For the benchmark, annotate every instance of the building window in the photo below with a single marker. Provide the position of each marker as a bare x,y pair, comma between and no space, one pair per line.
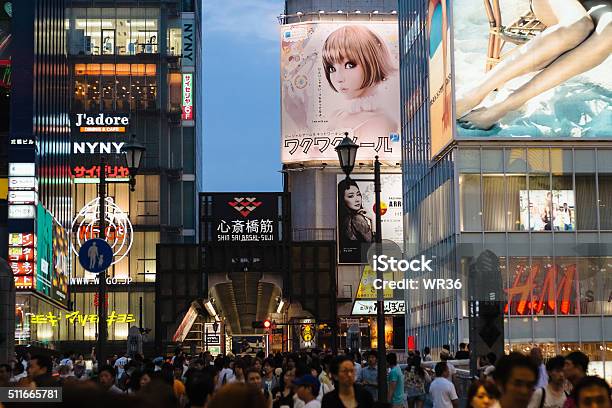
115,87
110,31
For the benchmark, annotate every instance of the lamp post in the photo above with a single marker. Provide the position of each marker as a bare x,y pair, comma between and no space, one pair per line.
133,153
347,153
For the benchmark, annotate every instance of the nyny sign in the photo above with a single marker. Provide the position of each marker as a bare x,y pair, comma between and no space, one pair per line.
188,24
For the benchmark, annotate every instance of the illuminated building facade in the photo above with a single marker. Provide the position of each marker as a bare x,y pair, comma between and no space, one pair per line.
134,69
487,202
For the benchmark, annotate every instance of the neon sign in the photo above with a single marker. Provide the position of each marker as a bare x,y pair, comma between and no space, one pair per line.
119,231
187,103
535,298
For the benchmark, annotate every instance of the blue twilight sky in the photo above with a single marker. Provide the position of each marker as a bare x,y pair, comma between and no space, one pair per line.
241,95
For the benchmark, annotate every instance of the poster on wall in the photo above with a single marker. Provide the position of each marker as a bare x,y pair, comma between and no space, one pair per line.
44,250
356,218
550,85
61,264
440,83
543,210
339,77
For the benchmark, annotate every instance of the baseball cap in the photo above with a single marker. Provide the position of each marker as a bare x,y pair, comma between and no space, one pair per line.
308,380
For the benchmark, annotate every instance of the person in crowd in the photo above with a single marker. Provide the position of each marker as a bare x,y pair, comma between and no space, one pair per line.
442,390
40,371
6,373
253,377
19,372
199,388
427,354
269,379
239,368
593,392
368,376
325,378
238,395
346,393
482,394
396,382
67,360
284,393
307,390
226,374
575,369
106,378
463,353
553,394
538,357
415,381
516,376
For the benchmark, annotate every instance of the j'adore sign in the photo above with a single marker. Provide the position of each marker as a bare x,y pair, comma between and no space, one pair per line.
101,123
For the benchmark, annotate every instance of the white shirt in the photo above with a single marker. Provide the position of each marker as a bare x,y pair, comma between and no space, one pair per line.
543,378
553,399
442,393
313,404
357,369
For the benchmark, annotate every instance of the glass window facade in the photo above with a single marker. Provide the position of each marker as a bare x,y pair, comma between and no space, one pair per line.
113,31
543,211
115,87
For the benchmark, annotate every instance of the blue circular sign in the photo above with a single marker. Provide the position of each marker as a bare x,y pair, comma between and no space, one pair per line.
95,255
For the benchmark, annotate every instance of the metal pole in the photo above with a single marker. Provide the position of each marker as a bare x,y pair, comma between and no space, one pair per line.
140,312
102,325
380,300
206,336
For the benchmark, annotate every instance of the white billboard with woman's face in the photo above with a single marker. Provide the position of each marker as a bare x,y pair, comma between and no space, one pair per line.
357,218
337,78
533,69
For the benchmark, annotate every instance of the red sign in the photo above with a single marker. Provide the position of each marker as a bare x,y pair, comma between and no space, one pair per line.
94,172
22,268
411,343
24,282
21,254
187,103
21,240
535,297
112,232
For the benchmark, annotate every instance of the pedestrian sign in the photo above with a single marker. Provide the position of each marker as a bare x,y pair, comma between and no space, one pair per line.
95,255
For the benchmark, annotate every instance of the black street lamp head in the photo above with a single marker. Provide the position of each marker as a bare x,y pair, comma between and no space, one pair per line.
133,152
347,152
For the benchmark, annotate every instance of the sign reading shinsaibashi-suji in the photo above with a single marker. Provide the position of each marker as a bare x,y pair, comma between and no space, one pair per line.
245,217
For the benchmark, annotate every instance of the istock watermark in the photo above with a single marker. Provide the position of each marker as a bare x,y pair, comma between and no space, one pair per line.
385,263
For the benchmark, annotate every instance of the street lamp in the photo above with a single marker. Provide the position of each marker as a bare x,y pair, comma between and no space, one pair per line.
133,153
347,153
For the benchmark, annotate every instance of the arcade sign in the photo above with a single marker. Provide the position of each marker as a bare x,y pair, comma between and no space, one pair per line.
119,231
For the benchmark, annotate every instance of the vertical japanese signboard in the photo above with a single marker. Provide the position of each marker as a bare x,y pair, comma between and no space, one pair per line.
187,98
245,217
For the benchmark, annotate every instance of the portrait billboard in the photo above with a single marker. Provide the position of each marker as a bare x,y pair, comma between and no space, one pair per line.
61,264
339,77
520,73
440,77
356,219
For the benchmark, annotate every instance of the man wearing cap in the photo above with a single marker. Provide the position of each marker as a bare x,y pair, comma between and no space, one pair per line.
307,390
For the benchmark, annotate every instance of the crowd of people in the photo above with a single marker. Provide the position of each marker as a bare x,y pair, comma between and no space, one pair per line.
313,379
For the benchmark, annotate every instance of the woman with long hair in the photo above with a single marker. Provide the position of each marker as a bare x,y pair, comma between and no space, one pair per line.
482,394
415,382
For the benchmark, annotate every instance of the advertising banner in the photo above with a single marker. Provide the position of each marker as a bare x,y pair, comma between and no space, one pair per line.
187,97
245,217
440,84
61,264
339,77
44,250
554,83
356,216
543,210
